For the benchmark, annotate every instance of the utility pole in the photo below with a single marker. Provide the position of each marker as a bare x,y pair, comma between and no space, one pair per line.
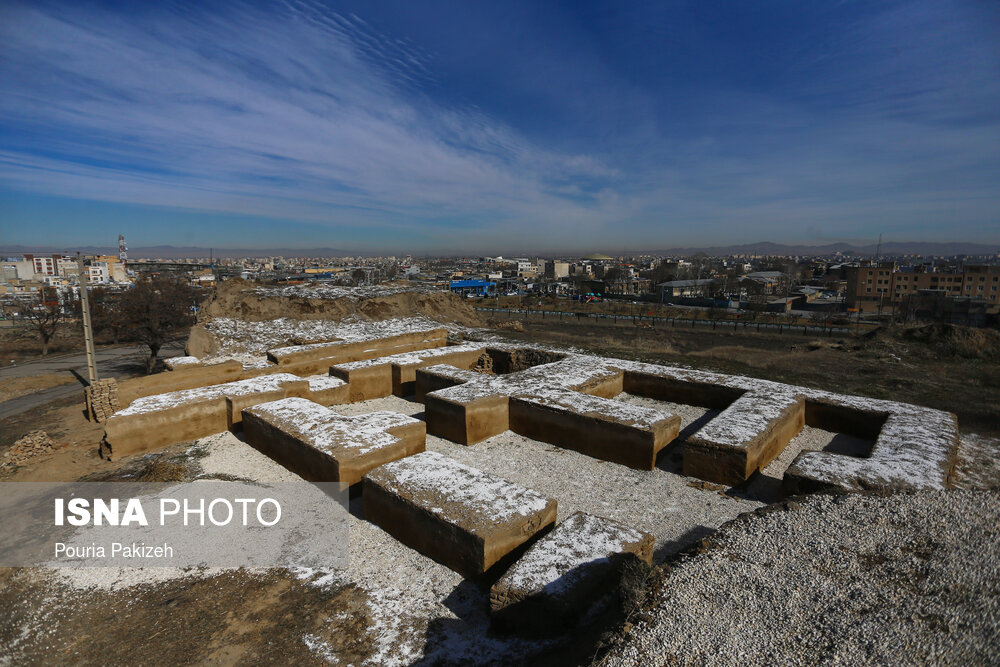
88,330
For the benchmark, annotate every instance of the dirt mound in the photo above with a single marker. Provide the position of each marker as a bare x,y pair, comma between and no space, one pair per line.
938,340
248,301
954,340
510,325
927,561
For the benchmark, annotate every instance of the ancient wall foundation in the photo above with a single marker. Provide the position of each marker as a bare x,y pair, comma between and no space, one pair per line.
475,391
489,528
322,446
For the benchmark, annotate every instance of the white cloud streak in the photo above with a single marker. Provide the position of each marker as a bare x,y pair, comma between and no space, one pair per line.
302,115
305,115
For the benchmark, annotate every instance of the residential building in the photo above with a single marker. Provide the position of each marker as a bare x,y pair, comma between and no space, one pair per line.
685,288
881,287
764,282
44,265
555,270
23,269
98,273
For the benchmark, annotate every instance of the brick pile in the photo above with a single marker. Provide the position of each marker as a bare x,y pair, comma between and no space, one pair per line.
31,445
102,399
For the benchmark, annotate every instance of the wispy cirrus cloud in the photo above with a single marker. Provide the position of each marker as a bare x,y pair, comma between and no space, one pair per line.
872,119
302,113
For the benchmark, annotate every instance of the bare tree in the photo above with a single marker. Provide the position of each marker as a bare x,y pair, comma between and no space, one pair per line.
614,273
105,312
156,310
908,308
45,314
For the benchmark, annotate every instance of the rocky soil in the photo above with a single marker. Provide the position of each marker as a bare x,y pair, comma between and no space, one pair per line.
264,317
31,445
249,301
903,579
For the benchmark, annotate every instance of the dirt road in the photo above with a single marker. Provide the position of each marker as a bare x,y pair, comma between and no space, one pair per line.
119,361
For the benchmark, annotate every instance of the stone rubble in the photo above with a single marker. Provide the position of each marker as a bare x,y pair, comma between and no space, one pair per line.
31,445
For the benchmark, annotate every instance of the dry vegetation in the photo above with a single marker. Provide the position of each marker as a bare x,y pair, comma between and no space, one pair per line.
242,618
21,343
941,366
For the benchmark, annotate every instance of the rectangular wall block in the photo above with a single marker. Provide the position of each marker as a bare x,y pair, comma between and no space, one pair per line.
184,377
156,421
609,430
566,402
396,374
459,516
744,437
440,376
916,448
322,446
562,575
317,357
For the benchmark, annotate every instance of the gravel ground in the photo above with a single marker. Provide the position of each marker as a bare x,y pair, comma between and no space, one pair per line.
904,579
978,465
421,610
424,610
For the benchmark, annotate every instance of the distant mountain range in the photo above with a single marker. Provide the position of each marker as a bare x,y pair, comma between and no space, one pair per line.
889,248
177,252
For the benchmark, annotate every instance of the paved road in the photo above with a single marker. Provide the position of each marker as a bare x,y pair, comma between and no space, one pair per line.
16,406
111,362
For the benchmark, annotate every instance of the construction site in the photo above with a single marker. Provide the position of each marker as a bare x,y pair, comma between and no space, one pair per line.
540,493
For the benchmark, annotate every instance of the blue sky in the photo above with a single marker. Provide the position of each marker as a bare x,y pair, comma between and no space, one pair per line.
437,127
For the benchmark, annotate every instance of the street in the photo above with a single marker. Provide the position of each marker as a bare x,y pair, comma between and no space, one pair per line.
114,362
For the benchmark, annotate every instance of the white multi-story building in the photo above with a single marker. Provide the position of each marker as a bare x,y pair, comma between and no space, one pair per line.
67,266
525,267
45,266
20,270
98,273
556,270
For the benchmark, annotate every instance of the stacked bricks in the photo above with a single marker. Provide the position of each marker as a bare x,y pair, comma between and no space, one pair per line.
102,399
31,445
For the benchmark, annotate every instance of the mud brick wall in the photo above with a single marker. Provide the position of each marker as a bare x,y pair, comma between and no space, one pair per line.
102,399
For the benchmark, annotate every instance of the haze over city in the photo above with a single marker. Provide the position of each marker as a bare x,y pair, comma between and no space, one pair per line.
425,127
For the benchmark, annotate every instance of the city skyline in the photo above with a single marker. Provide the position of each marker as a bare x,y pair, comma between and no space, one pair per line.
423,128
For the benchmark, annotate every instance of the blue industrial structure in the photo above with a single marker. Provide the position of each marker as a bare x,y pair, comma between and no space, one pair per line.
478,287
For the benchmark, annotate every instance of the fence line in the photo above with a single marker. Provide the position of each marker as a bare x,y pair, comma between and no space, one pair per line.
653,320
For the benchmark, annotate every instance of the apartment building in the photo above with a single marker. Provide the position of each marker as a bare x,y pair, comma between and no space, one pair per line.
556,270
881,287
44,265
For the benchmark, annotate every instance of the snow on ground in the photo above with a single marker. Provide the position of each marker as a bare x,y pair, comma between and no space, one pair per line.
249,341
313,291
420,608
407,593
